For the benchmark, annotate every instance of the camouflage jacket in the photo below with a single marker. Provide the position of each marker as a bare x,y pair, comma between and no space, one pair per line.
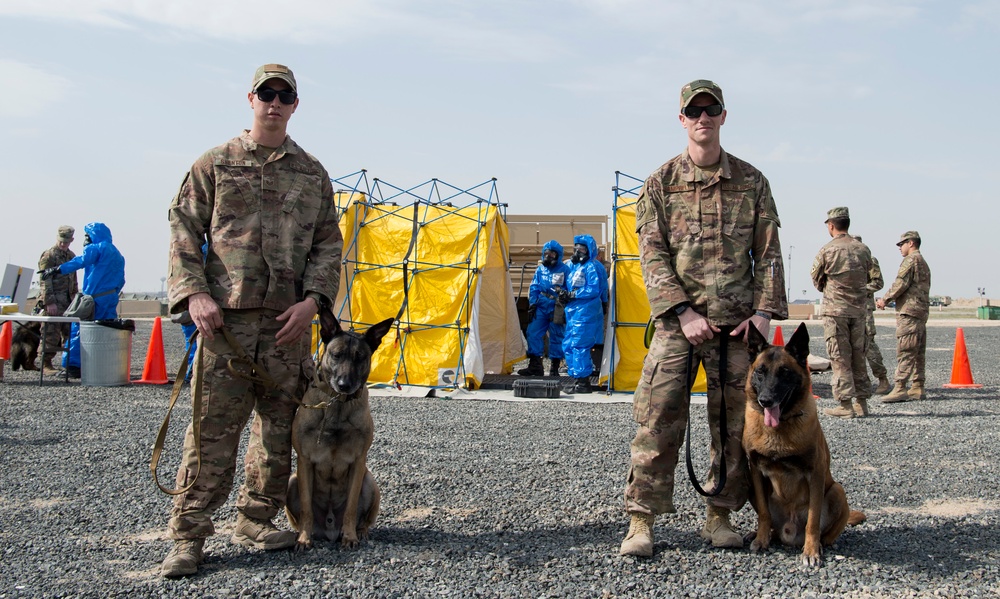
58,289
711,241
912,287
875,283
842,271
271,227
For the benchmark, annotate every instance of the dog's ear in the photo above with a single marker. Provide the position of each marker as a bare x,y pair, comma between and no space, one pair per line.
798,346
329,325
373,336
756,342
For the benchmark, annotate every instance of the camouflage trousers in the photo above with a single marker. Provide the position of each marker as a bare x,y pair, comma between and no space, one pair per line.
846,341
873,354
911,347
661,407
56,334
227,404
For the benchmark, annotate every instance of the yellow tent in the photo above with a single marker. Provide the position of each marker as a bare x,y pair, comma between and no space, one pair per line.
629,310
442,271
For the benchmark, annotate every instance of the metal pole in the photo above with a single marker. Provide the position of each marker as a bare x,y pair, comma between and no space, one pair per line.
788,274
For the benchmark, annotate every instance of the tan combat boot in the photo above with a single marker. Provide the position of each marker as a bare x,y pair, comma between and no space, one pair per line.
261,534
897,394
47,368
183,559
861,408
917,391
639,540
844,410
718,530
883,385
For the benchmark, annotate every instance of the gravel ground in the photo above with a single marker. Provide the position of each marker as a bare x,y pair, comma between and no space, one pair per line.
501,499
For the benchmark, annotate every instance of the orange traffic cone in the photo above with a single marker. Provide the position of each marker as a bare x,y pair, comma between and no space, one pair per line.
154,372
6,337
779,339
961,370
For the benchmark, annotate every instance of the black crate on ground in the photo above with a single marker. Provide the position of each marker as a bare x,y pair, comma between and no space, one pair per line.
536,388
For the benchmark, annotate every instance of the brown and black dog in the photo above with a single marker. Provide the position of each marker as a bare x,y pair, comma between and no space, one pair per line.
796,499
24,345
333,495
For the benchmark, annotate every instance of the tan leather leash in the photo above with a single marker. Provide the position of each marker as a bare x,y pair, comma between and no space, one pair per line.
195,417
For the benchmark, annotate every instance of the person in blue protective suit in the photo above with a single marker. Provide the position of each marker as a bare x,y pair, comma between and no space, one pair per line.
584,313
550,278
103,278
188,329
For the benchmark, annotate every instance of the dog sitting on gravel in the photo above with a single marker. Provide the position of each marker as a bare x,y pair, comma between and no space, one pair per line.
24,345
333,495
796,499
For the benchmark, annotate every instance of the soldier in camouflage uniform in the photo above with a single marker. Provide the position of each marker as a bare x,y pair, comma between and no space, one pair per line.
912,292
266,209
842,271
874,354
711,262
57,292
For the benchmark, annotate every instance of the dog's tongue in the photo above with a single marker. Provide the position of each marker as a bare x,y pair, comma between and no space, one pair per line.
772,415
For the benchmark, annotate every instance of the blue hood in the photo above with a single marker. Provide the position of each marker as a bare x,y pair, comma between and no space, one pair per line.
587,240
98,232
554,246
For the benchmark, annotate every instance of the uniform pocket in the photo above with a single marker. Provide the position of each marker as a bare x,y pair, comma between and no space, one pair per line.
643,391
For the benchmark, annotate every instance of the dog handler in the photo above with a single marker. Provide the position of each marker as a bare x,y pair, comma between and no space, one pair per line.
56,293
266,209
711,261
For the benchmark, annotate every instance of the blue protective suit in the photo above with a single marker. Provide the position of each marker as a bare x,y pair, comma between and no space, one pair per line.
541,294
103,270
584,315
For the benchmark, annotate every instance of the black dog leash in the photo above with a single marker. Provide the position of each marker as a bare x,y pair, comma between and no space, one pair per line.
723,430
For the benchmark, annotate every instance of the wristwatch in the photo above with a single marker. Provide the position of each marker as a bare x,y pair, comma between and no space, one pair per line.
763,314
681,307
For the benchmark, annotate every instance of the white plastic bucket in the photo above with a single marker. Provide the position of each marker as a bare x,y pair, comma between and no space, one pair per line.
105,355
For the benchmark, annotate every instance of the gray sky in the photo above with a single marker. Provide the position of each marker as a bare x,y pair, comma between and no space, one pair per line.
884,106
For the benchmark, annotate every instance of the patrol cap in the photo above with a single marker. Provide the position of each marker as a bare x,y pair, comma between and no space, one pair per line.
273,71
908,236
66,233
838,212
700,86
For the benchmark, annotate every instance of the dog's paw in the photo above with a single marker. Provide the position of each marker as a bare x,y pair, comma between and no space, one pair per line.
303,543
760,545
810,560
349,541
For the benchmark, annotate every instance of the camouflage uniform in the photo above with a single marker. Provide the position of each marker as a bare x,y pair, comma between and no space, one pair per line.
57,290
842,271
911,290
874,355
710,240
273,238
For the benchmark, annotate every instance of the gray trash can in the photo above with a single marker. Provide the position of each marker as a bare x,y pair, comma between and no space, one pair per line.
105,355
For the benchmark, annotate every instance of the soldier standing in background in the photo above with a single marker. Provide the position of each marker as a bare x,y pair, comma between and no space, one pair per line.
842,271
912,293
711,262
265,207
57,292
874,354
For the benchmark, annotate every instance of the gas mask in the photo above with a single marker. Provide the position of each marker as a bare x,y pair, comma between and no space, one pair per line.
580,253
549,258
86,239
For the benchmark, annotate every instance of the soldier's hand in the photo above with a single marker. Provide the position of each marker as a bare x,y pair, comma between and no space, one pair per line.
696,327
52,310
880,304
205,314
297,320
743,330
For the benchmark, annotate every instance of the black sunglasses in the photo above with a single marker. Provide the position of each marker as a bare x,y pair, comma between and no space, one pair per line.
693,112
266,94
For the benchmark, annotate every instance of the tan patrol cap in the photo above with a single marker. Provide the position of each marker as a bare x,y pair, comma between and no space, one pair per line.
838,212
908,236
273,71
700,86
66,233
